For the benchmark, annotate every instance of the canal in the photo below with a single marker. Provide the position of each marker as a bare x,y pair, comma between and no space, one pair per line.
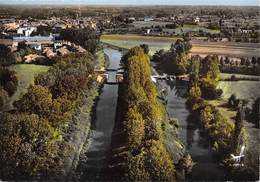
100,136
206,166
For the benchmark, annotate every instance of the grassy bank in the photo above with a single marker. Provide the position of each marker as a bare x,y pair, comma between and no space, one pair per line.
25,74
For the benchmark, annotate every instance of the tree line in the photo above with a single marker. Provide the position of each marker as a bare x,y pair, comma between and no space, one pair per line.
143,117
32,136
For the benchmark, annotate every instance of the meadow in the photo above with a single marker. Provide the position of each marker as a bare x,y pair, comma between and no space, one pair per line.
25,74
199,47
248,90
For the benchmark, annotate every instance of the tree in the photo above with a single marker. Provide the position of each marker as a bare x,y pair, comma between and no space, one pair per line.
86,38
247,63
145,47
28,145
210,75
232,101
147,157
258,60
38,100
255,114
237,137
227,60
8,80
243,61
135,168
159,163
253,61
136,129
6,56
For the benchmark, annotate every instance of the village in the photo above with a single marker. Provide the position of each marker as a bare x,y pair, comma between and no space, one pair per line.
129,93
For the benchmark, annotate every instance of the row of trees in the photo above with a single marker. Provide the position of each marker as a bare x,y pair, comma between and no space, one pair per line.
241,66
143,116
204,78
32,143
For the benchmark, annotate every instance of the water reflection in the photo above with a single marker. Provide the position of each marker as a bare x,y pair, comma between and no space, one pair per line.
102,127
192,134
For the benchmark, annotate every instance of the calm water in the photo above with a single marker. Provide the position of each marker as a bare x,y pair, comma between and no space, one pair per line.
196,142
100,136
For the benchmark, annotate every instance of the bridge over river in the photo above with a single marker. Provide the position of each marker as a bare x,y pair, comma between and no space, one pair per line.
99,140
110,76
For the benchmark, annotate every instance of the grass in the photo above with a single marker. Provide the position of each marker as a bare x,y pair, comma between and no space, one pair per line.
221,105
127,41
202,48
188,28
25,74
248,90
101,63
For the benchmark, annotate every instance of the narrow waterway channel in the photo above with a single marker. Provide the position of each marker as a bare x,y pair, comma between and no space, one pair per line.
206,167
196,141
100,136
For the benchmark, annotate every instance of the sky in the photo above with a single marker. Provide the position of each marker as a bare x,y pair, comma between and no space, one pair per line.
138,2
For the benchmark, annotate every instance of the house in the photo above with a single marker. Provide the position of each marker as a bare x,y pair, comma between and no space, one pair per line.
35,46
27,31
196,20
62,51
146,19
57,44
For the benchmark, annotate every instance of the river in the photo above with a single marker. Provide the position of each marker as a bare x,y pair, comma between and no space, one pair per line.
206,167
191,134
100,136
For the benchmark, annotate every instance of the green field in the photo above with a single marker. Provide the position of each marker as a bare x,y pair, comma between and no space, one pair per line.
198,47
25,74
129,41
188,28
249,90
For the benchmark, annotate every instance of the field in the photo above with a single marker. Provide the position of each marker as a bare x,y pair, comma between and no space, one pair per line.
249,90
179,30
199,47
25,74
129,40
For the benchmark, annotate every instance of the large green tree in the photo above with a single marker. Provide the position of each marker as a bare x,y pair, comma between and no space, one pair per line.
28,146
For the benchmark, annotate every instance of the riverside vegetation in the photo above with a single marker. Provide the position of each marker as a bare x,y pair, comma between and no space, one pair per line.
33,141
142,117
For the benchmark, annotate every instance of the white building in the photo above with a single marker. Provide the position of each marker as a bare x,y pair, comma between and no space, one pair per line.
27,31
35,46
58,44
197,20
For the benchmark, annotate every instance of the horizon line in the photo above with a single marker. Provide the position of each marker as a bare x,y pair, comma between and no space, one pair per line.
123,4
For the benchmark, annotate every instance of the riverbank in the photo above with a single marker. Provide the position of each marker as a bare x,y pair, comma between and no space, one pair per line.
173,129
80,124
93,156
126,134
